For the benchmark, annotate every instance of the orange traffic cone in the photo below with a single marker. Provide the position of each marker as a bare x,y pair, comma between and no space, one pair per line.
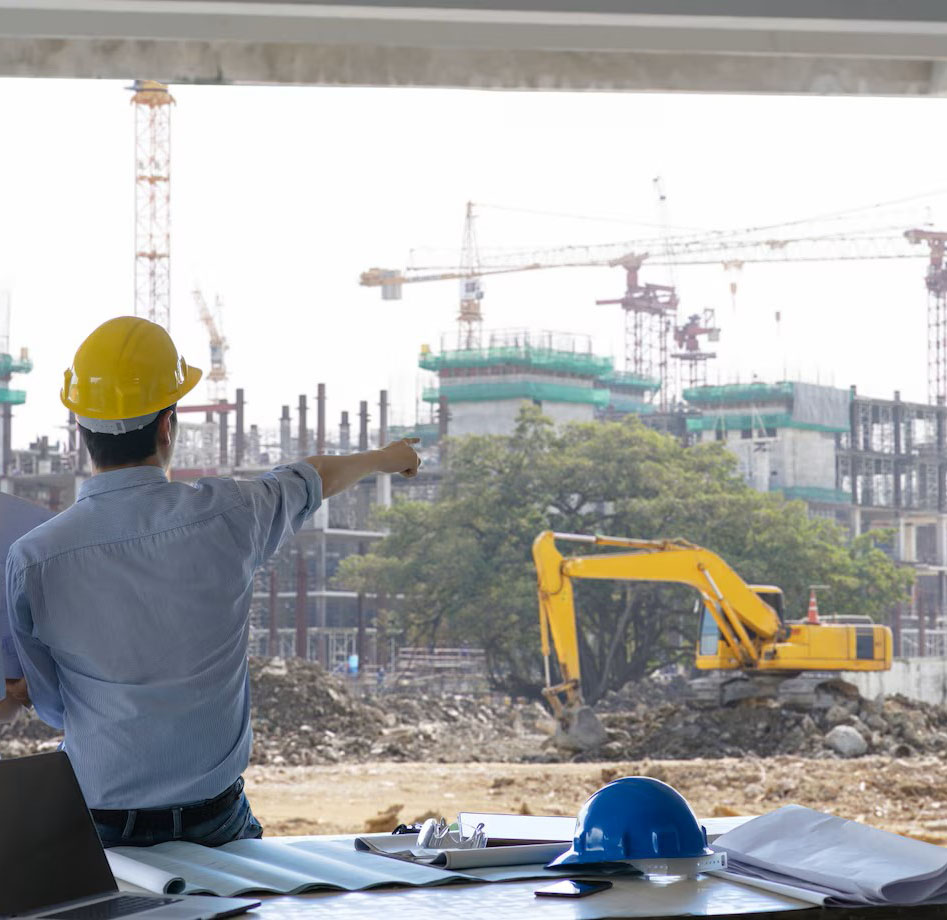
813,613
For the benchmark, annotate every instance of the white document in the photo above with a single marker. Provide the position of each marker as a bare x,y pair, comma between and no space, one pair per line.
267,866
142,875
522,828
404,846
845,862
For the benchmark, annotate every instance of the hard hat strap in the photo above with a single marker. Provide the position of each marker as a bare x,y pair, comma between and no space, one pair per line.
117,425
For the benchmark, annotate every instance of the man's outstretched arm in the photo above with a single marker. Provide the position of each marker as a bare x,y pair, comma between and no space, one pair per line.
339,472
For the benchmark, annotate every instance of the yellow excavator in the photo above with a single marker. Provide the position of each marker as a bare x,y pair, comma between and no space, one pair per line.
744,636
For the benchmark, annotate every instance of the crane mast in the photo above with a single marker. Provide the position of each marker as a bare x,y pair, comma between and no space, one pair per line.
217,375
152,103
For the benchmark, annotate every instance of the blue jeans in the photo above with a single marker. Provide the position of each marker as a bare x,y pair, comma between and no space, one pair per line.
234,823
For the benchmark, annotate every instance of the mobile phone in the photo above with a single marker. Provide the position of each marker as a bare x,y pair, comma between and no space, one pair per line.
570,889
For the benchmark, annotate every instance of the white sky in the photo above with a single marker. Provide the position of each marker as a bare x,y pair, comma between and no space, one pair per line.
282,196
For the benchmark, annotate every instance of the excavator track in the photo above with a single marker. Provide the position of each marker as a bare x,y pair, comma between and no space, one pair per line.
800,690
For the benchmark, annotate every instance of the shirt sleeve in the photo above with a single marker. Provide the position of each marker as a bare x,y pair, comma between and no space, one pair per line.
9,663
279,502
42,679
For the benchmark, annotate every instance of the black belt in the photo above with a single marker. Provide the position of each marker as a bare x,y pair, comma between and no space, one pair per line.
151,819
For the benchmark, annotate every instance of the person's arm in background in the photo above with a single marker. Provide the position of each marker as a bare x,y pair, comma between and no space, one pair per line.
339,472
13,693
38,665
16,698
8,706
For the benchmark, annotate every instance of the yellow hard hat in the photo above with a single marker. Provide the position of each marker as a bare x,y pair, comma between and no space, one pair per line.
124,374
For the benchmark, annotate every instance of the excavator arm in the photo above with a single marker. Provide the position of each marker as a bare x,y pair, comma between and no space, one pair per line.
745,621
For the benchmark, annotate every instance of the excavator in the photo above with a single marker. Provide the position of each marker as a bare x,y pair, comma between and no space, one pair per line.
744,636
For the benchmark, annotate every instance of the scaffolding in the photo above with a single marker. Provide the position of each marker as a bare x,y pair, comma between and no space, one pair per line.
9,397
650,312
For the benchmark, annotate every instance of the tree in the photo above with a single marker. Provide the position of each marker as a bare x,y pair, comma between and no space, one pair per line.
463,565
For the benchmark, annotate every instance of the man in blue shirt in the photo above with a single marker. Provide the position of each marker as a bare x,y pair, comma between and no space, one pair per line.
17,517
130,610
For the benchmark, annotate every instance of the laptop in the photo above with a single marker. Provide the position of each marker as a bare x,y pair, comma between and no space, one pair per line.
52,863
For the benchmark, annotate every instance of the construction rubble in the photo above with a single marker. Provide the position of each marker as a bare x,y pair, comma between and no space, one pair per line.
304,716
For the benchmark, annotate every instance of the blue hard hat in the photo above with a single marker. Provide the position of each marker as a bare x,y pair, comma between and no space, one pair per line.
635,818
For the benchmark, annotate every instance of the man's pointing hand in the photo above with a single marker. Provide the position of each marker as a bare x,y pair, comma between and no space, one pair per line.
400,457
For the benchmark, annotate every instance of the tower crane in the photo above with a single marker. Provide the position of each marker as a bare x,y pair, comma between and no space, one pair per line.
731,250
217,376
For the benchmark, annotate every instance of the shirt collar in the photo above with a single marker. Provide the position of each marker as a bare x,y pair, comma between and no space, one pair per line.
127,478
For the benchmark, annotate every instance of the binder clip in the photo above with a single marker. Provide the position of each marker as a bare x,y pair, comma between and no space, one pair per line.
437,834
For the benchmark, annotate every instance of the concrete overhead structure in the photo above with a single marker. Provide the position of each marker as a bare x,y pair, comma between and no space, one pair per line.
747,46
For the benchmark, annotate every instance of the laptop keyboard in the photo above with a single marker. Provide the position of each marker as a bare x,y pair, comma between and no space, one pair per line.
116,907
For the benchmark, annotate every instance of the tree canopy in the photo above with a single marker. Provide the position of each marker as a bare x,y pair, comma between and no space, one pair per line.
463,569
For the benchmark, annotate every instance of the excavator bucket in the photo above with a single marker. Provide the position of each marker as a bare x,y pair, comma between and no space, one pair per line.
580,730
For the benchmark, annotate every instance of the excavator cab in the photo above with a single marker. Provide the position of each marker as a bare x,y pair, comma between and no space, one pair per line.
713,653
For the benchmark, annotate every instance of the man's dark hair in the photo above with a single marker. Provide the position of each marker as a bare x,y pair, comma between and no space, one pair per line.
121,449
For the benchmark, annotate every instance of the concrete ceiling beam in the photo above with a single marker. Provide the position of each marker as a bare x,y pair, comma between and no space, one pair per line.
440,44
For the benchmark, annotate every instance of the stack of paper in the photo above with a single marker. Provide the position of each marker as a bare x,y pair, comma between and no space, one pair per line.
829,860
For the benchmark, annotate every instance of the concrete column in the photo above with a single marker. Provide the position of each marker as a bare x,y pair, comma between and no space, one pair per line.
907,549
224,436
6,434
940,531
363,425
345,434
302,441
253,445
285,437
321,419
238,435
382,418
383,480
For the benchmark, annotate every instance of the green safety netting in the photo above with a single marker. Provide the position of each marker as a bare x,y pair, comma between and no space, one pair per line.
739,421
12,397
517,389
566,362
739,393
11,365
631,381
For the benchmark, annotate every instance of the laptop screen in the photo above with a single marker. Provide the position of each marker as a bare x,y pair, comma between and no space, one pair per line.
49,849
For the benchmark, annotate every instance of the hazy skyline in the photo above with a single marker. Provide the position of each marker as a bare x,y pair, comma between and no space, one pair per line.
281,196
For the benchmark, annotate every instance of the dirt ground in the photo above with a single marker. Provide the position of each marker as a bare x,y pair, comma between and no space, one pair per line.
908,796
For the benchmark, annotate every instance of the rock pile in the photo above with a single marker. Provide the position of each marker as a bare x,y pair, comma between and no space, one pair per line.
849,727
302,715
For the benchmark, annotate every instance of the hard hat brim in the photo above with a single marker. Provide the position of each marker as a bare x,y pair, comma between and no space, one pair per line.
191,380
